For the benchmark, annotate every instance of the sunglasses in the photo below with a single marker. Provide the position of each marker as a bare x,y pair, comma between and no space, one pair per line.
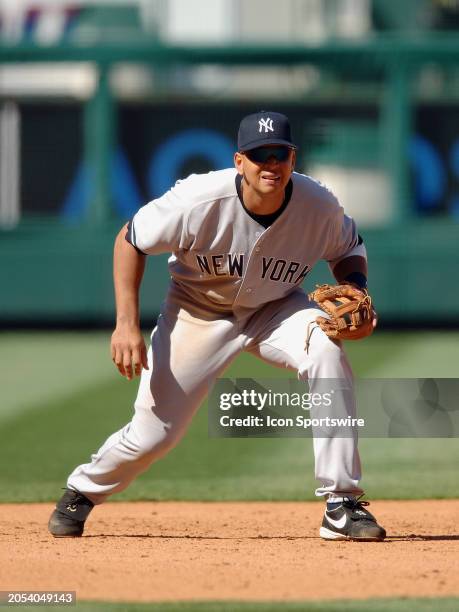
260,155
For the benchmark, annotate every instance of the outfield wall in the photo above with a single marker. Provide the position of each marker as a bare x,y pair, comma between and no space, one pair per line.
53,276
86,166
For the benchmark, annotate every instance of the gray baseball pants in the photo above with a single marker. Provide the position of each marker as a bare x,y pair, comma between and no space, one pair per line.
188,352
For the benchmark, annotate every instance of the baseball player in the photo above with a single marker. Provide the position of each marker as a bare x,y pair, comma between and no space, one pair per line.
242,240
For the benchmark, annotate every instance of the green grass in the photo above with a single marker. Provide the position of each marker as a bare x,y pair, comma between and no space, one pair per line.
63,422
371,605
36,367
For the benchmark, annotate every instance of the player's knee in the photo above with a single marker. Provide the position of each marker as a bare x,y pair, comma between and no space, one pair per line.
147,448
324,355
326,350
155,449
152,443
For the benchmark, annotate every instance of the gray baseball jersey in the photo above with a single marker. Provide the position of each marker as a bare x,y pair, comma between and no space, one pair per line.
223,259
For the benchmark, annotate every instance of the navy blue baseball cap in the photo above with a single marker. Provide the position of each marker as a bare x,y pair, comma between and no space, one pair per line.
264,128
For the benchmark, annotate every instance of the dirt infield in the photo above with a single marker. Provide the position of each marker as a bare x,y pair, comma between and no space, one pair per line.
167,551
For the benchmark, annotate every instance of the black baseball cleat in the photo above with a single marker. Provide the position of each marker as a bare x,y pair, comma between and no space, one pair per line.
72,510
350,521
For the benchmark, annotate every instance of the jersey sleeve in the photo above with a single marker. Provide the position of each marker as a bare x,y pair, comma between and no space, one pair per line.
160,225
344,240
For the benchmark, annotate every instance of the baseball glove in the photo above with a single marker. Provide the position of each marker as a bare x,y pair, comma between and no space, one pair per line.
350,310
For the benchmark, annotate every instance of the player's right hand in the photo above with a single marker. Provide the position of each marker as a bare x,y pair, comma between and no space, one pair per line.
128,350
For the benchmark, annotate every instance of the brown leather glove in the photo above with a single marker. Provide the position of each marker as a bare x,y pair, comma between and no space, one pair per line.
350,310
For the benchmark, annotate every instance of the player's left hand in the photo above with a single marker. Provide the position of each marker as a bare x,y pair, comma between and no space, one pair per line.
350,311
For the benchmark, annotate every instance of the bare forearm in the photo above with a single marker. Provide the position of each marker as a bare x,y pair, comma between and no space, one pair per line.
128,269
127,346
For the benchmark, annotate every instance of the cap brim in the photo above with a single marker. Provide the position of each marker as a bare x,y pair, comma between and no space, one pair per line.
271,141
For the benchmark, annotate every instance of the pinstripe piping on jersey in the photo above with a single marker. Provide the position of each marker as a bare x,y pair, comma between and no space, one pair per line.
130,237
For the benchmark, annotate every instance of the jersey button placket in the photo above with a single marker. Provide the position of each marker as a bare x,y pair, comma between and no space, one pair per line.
257,250
248,291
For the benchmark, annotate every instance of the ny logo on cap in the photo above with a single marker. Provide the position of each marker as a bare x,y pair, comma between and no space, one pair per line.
267,124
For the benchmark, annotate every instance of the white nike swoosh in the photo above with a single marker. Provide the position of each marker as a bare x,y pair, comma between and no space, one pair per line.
339,524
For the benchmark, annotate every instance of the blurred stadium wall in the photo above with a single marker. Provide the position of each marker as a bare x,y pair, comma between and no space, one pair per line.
104,104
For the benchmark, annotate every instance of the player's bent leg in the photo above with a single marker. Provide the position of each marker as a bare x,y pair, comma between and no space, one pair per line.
337,463
187,354
280,337
337,460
